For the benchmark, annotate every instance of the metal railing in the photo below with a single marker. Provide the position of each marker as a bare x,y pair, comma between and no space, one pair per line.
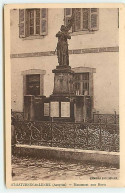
89,136
97,118
106,118
17,115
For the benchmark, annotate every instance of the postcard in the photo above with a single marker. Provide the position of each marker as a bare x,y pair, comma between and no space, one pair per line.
64,95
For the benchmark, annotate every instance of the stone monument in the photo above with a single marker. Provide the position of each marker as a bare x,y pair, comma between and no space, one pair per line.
64,104
63,79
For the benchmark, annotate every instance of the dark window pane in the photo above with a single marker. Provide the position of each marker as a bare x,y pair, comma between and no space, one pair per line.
83,92
33,78
33,84
37,21
77,86
86,86
37,29
31,22
67,20
85,76
31,13
44,26
38,13
31,30
83,86
68,11
93,10
77,76
94,20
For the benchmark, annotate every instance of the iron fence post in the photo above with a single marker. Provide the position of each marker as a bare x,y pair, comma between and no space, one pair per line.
29,126
75,135
30,136
93,118
100,135
115,117
87,139
51,131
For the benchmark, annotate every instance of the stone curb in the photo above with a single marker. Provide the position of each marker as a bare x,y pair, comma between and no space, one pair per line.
111,158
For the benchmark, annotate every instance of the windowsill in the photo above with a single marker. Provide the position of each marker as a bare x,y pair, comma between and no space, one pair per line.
81,33
34,37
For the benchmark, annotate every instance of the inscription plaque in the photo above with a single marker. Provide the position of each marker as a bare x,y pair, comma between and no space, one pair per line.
46,109
54,109
65,109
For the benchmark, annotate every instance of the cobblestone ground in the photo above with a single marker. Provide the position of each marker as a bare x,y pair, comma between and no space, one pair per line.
43,169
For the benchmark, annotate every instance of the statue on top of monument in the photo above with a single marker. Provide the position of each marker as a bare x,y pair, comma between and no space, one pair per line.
62,45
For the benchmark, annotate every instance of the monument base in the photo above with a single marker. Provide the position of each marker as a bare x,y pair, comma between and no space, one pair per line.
62,108
63,81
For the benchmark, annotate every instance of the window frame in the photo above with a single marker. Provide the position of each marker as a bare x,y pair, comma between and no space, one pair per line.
81,21
30,82
82,70
88,30
80,82
24,23
33,72
34,11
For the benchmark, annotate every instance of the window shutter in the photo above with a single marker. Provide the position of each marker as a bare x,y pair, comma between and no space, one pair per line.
94,21
27,29
67,16
78,19
85,16
22,29
43,21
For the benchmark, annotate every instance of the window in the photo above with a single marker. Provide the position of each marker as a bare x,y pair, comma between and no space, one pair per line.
32,22
33,84
77,77
83,80
82,83
85,84
85,19
77,88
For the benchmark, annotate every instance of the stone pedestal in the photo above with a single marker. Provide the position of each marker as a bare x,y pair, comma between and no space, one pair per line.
63,81
61,102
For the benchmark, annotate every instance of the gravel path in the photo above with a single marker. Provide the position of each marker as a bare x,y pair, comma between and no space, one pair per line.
43,169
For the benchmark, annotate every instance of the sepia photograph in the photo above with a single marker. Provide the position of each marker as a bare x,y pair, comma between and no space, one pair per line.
64,102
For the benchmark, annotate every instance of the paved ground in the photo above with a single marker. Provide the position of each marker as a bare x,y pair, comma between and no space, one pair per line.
42,169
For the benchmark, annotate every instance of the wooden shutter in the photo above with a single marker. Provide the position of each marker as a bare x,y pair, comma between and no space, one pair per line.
94,21
43,21
67,16
78,13
85,20
22,29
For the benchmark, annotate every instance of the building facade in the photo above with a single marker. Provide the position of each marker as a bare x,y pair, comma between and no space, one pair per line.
93,54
